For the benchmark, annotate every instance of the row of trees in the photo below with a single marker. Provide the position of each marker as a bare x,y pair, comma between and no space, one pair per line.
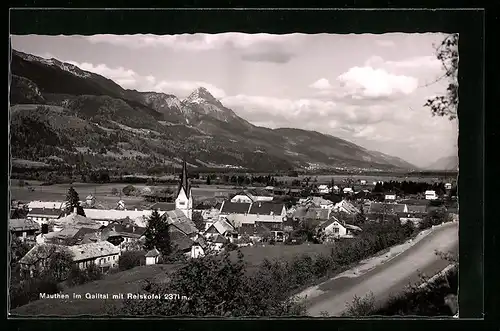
408,187
223,286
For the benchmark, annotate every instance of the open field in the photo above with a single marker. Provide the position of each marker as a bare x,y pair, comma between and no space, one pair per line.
324,179
129,281
102,192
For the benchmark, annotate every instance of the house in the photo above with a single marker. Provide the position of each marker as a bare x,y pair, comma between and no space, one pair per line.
390,196
44,215
76,221
316,202
184,200
447,186
106,216
362,182
303,213
163,206
217,242
228,208
347,207
222,227
179,219
123,234
430,195
324,189
268,211
152,256
90,200
211,215
348,190
102,254
46,205
197,250
242,197
24,229
334,228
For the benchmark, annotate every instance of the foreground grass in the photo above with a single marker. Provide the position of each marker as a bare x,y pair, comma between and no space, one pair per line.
129,281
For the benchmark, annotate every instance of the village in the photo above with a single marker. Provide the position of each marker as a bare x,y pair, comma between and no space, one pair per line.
252,217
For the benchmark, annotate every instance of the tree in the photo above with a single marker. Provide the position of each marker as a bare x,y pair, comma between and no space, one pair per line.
198,221
208,180
72,202
130,259
114,191
447,53
157,235
128,190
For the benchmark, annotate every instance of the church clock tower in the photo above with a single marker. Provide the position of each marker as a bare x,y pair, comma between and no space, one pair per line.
184,200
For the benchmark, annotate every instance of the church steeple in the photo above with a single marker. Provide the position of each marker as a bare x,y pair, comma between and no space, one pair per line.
184,184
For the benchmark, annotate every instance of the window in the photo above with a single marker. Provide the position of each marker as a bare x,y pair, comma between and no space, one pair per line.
336,230
182,203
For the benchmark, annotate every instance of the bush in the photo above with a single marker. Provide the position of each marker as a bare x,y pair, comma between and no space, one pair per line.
361,306
129,190
78,276
131,259
29,290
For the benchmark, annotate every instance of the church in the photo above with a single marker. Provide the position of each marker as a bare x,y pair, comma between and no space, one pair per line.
184,200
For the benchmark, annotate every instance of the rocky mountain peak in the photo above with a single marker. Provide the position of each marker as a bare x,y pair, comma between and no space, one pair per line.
201,95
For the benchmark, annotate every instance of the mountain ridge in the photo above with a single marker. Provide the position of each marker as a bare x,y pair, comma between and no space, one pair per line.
160,125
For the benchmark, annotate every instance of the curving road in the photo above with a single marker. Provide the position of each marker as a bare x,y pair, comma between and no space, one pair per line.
389,278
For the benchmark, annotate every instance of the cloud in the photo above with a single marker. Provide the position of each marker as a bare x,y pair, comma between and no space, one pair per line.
277,56
367,82
321,84
193,42
184,88
385,43
419,62
126,78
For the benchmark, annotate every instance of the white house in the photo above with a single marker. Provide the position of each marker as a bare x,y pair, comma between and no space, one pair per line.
44,215
323,189
447,186
223,228
348,190
362,182
184,200
430,195
390,196
347,207
152,256
336,229
46,204
103,254
197,251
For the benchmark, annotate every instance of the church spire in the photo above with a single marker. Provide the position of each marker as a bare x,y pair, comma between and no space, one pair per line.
184,184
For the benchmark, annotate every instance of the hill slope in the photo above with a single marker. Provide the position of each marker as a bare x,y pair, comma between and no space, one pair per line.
445,163
87,118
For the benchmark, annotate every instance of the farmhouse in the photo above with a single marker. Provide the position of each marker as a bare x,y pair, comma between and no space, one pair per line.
105,216
163,206
347,207
302,213
124,235
230,208
76,221
46,205
268,211
24,229
103,254
430,195
334,228
179,220
221,227
447,186
324,189
152,256
44,215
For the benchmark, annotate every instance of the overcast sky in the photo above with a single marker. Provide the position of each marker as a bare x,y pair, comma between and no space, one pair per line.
369,89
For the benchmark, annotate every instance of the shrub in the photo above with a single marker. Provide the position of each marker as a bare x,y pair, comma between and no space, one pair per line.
131,259
78,276
361,306
29,290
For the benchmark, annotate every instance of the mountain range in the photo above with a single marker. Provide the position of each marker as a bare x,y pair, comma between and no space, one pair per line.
62,114
448,163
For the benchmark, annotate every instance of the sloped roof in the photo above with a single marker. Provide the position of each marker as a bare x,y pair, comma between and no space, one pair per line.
45,212
152,253
128,230
184,182
182,242
229,207
349,207
329,222
93,250
177,218
218,239
314,213
163,206
40,252
266,208
390,208
80,234
45,204
66,233
352,227
76,220
113,214
258,192
222,226
21,224
417,209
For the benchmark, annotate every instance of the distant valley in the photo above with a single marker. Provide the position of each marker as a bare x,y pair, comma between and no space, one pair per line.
63,115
